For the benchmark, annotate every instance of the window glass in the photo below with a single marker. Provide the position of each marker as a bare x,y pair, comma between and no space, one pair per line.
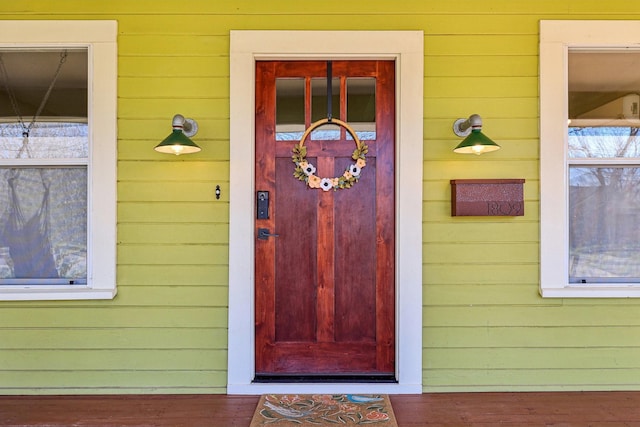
604,116
604,88
361,107
603,142
43,225
44,145
319,108
47,140
58,162
289,109
604,213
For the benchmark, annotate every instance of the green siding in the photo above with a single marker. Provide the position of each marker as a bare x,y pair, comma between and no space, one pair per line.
485,327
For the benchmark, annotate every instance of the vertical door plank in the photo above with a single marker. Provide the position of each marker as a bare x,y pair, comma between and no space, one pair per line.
265,181
296,266
325,256
356,257
385,221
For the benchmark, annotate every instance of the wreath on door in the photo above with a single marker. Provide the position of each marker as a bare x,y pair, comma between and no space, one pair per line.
305,171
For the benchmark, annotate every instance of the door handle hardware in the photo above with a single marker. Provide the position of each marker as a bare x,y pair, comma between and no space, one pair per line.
263,205
264,234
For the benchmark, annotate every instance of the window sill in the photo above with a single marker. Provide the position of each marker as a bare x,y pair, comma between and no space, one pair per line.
593,291
40,293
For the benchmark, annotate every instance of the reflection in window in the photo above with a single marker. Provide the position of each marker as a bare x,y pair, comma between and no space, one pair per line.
604,206
604,142
604,175
603,87
604,237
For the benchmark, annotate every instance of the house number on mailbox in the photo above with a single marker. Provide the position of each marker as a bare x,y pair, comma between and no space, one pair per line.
504,208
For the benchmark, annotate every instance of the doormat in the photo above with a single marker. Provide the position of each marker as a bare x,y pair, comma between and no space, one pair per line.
323,410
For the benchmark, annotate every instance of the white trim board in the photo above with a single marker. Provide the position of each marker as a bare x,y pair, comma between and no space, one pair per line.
556,39
406,48
100,39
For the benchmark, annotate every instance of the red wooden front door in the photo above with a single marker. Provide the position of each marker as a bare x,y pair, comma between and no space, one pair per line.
325,260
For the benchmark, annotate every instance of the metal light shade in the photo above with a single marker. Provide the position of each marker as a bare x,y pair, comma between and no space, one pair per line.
475,142
178,142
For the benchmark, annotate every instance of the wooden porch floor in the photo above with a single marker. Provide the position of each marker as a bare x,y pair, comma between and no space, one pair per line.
447,409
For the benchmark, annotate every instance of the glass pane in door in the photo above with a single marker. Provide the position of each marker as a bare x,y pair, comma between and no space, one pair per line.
289,109
361,106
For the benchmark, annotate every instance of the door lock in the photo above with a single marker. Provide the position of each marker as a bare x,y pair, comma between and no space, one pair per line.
263,205
264,234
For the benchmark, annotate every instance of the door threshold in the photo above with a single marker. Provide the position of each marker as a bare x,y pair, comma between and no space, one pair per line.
322,378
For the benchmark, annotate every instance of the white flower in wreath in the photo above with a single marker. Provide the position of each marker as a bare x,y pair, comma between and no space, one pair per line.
326,184
355,170
307,168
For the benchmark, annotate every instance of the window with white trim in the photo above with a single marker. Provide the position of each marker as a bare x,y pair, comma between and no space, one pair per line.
589,159
57,159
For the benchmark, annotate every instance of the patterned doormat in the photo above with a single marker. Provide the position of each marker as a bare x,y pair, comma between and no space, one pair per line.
323,410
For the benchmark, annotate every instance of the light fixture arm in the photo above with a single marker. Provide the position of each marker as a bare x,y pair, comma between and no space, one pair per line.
189,126
463,127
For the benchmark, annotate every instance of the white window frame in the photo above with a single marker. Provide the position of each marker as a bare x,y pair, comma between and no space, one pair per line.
556,38
100,39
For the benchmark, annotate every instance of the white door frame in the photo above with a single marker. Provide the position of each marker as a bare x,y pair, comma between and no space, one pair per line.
406,48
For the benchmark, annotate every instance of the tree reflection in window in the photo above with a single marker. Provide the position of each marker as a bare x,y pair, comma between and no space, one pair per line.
604,204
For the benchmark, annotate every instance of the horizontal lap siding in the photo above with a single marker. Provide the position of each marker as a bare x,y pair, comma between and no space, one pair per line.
485,326
173,233
166,331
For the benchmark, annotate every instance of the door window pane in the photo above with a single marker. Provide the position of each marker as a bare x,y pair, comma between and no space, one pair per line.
361,107
289,109
319,108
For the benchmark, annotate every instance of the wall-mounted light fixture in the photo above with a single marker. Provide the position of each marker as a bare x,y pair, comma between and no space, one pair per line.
475,142
178,141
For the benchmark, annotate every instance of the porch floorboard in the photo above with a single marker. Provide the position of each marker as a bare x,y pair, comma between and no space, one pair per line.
426,410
